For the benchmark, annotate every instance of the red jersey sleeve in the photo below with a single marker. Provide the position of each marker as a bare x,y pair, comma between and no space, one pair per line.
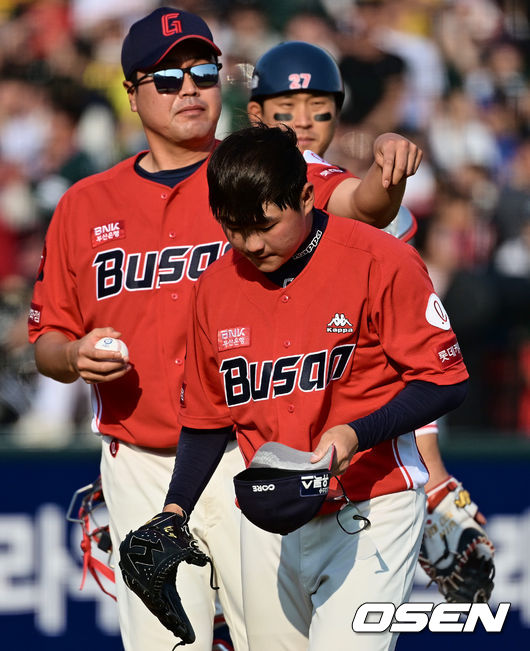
325,177
202,398
54,304
411,322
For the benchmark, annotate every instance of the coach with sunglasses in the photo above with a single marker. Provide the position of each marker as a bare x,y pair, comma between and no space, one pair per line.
122,254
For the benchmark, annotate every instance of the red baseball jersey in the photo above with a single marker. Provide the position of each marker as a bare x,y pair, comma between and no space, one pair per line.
124,251
286,364
324,176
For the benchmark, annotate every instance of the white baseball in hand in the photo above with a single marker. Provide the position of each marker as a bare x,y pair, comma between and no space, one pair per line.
115,345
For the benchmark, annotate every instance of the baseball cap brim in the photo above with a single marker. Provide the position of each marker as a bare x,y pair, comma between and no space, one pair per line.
277,455
193,37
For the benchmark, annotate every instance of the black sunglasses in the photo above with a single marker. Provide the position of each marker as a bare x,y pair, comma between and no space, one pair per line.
204,75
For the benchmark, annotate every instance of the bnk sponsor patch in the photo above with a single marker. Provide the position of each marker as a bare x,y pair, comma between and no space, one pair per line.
108,233
236,337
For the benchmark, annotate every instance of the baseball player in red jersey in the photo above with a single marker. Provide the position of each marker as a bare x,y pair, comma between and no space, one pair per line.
341,344
300,85
122,254
123,251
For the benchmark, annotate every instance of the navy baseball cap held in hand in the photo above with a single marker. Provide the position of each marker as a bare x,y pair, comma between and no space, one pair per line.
151,38
281,489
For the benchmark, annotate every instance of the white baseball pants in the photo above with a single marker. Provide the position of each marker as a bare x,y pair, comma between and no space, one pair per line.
301,591
135,482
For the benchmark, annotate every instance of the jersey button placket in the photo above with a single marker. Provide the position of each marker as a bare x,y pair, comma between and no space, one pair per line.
286,344
169,235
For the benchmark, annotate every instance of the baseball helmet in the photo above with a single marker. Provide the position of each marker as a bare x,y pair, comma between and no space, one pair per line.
296,65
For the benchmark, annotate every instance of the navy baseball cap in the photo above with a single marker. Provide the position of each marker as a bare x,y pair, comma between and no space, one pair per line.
151,38
281,489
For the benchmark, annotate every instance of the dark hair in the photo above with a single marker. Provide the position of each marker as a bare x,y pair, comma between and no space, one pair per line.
251,167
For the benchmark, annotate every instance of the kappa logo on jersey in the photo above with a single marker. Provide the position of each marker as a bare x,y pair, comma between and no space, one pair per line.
339,323
245,382
117,270
449,353
34,314
171,25
238,337
108,233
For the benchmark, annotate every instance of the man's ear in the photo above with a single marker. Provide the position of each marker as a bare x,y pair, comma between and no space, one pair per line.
255,112
307,198
131,94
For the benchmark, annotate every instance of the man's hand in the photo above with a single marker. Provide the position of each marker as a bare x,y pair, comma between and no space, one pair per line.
377,197
344,438
95,365
397,157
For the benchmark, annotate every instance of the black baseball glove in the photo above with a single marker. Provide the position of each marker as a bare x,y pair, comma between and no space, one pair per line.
149,560
456,552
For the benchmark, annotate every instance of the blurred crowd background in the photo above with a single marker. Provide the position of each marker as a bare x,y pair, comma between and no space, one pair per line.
452,75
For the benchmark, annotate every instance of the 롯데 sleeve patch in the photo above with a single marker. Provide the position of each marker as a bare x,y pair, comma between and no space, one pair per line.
34,314
449,353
